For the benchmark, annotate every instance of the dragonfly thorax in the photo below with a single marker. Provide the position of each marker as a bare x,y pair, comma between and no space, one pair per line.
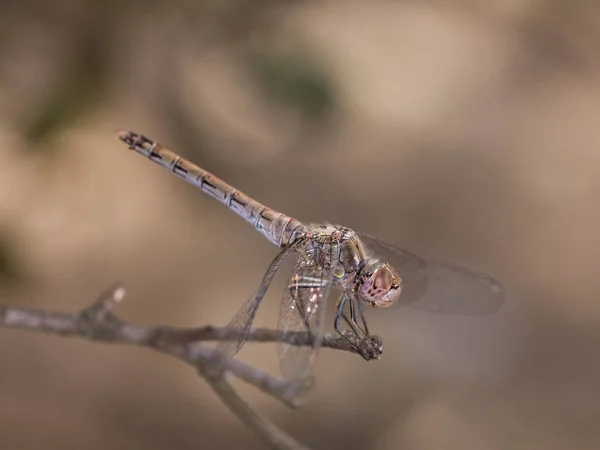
336,248
379,284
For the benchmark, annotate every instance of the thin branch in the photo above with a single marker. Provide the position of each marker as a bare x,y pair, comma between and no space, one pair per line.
265,335
251,418
99,323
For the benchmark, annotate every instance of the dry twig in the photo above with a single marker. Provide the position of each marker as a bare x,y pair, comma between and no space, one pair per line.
98,322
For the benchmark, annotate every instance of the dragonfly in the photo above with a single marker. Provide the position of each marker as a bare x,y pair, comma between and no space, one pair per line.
364,270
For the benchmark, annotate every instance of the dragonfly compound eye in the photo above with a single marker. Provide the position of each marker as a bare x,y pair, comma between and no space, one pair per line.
382,288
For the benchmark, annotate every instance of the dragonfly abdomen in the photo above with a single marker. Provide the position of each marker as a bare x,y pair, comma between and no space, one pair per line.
278,228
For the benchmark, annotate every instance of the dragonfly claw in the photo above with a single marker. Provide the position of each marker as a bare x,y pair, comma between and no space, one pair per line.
369,348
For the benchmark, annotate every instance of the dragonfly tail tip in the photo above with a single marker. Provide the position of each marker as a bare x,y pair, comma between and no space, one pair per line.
122,134
127,137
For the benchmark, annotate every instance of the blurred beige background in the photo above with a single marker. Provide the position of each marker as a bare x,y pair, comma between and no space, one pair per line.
467,133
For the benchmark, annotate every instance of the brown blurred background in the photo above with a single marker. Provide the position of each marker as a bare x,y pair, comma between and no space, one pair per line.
467,133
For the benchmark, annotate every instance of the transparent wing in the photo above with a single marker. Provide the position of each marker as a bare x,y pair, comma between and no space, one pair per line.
438,286
303,310
233,337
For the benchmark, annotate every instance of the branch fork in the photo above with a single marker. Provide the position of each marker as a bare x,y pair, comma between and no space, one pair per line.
98,322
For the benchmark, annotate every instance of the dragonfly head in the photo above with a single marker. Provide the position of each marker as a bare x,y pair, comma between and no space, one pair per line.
381,286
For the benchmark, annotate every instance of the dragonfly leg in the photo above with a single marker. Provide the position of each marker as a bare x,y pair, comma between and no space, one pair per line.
336,324
353,323
368,352
371,350
361,311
